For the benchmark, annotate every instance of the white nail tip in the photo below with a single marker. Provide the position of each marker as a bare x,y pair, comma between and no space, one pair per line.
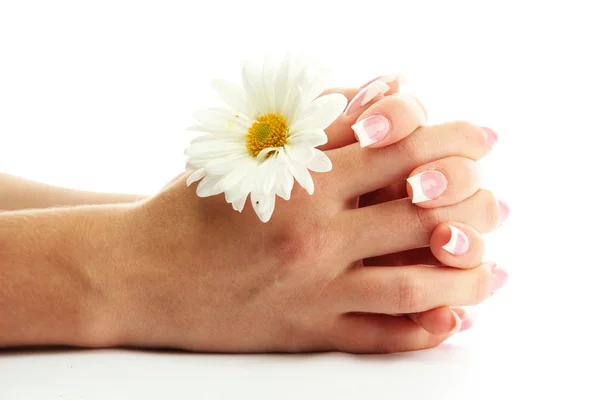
457,323
452,245
363,138
417,189
375,88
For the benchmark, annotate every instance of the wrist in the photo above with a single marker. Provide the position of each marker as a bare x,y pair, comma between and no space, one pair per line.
55,266
106,258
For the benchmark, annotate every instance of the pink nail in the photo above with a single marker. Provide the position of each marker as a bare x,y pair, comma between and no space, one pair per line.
366,95
504,211
466,323
371,129
458,243
427,185
491,137
499,278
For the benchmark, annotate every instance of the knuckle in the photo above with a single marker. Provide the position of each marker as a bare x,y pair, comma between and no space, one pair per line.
409,294
429,218
482,286
490,210
399,106
409,150
469,131
474,172
294,245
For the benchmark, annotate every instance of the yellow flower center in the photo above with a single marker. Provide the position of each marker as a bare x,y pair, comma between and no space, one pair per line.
269,130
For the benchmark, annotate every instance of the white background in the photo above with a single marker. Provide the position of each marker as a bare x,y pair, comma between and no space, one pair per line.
95,95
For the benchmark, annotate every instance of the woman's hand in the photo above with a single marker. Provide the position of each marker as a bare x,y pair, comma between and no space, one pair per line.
196,275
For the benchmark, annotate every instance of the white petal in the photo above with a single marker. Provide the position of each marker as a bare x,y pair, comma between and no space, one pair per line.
227,128
320,162
310,137
318,84
300,154
282,84
266,215
252,80
260,201
203,148
195,163
224,165
321,112
238,204
222,137
301,174
234,96
196,176
262,155
293,108
285,181
268,81
266,180
234,177
208,186
223,117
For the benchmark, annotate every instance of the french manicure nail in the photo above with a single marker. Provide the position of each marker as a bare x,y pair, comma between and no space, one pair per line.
366,95
458,243
504,211
384,79
466,323
371,129
457,323
427,185
499,278
491,137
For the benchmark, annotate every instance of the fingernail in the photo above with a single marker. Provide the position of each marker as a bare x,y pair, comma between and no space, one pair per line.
384,79
457,323
458,243
504,211
466,323
427,185
371,129
491,137
499,278
366,95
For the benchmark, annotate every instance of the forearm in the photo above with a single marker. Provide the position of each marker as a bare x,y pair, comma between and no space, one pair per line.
18,194
54,271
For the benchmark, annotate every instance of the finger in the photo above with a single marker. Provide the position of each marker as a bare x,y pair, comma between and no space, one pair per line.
400,225
340,132
366,95
370,333
417,288
444,182
457,245
439,321
389,121
452,244
367,170
442,320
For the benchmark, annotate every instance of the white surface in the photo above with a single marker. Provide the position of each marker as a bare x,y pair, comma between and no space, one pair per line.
96,96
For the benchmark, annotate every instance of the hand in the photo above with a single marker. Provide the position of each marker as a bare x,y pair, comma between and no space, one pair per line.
215,280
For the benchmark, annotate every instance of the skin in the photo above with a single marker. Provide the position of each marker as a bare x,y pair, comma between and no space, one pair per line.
19,194
337,278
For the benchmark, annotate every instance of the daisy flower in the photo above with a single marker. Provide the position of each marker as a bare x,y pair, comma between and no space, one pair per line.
265,137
